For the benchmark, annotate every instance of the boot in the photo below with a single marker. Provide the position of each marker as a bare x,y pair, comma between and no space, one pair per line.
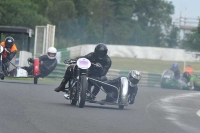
132,91
61,87
131,98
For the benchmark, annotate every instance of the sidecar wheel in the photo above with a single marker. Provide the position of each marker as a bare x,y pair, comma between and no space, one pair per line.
121,106
2,78
35,80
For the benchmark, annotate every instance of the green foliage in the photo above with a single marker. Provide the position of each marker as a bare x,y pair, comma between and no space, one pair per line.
81,7
130,22
61,10
20,13
192,40
173,37
43,6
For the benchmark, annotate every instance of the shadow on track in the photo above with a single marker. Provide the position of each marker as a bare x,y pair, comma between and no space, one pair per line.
94,106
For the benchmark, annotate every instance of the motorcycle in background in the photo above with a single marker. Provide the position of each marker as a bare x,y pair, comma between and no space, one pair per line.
168,81
18,72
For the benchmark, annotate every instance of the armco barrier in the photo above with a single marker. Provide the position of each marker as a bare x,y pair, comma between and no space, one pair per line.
147,79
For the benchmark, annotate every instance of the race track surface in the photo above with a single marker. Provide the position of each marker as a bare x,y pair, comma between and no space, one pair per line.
29,108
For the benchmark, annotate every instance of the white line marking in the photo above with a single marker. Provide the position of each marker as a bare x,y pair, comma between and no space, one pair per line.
198,113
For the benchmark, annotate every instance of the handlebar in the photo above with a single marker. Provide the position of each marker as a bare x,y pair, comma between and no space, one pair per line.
73,61
2,48
70,61
6,50
97,64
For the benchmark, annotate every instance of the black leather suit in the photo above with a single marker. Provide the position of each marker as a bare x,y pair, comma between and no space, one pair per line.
46,68
94,72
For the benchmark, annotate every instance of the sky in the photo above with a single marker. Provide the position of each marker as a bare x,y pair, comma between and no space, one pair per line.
186,8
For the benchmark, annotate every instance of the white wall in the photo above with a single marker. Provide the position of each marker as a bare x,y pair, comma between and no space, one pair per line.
154,53
23,56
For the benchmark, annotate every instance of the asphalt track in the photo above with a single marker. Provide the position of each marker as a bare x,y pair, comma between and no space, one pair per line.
29,108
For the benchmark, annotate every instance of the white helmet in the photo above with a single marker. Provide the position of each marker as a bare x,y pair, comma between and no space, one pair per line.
134,77
51,52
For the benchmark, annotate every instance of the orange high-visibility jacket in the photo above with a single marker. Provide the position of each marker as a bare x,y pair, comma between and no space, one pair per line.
189,70
13,48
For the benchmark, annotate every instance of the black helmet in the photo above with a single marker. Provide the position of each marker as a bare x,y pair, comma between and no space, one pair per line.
101,51
134,77
9,41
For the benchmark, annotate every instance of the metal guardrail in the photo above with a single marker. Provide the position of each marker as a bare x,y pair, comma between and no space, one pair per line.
147,79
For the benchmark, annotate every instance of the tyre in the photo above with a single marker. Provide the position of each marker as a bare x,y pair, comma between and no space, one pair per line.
35,80
121,106
82,91
2,78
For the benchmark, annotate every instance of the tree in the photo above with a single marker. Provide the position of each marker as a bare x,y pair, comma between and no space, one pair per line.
81,7
43,6
173,37
153,17
61,10
192,40
20,13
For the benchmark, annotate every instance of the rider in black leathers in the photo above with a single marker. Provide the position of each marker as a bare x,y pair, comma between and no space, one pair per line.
100,57
175,69
48,63
133,79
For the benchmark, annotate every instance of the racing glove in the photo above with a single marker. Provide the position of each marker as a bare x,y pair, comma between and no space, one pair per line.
67,61
98,65
7,50
41,62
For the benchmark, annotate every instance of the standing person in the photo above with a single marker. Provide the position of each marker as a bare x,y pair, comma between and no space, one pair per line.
48,63
9,52
175,69
100,57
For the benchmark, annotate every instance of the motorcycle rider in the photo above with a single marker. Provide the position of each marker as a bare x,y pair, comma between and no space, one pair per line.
48,63
9,52
175,69
189,69
193,80
133,77
98,71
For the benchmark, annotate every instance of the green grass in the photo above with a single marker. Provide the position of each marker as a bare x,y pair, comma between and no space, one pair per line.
154,66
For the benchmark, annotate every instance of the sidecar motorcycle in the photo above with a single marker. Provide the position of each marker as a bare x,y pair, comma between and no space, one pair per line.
77,90
18,72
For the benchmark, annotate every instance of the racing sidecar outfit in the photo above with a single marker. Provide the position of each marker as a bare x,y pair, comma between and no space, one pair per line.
195,82
8,56
132,90
46,67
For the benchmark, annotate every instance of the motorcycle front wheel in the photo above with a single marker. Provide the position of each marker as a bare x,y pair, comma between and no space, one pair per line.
82,91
